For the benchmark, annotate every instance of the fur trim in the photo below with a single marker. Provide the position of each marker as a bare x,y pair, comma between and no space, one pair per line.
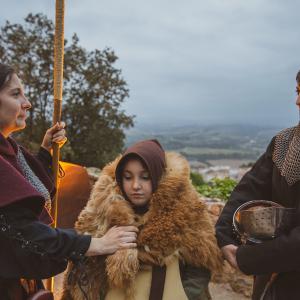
177,223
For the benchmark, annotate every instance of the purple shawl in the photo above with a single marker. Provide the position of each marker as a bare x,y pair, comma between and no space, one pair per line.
14,187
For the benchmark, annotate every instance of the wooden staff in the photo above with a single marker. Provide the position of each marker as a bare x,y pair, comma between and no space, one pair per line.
58,90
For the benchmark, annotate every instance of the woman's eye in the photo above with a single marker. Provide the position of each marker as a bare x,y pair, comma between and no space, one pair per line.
146,177
16,94
126,177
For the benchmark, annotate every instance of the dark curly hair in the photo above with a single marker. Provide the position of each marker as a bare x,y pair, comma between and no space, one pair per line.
6,72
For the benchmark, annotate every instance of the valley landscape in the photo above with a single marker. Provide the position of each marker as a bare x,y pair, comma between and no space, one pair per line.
233,145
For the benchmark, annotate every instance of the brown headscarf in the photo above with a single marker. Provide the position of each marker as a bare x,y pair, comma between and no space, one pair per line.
151,154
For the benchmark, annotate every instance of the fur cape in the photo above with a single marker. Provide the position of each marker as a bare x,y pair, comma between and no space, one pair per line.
177,224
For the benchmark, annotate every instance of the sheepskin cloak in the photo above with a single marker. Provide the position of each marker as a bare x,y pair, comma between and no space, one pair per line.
176,224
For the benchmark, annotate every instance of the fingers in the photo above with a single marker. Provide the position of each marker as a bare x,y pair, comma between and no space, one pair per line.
123,231
229,253
122,237
233,263
128,239
62,124
58,133
128,245
229,250
129,234
126,236
60,140
128,228
58,126
59,136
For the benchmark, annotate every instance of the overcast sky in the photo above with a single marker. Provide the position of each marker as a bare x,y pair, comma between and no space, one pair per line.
194,61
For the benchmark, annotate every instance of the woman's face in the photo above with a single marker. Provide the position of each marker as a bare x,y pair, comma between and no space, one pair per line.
13,107
298,95
136,182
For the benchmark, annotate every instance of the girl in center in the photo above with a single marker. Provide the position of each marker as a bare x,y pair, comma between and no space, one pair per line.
177,250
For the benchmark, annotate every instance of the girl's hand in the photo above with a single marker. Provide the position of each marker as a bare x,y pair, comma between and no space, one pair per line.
55,134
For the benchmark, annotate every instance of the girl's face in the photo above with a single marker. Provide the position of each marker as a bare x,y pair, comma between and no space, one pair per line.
136,182
13,107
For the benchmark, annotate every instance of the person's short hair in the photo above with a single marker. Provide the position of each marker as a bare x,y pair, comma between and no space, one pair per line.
298,77
6,72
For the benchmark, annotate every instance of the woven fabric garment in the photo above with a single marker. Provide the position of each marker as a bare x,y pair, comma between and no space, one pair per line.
286,154
33,179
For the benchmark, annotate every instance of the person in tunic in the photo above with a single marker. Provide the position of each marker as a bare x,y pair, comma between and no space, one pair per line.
275,177
177,249
30,248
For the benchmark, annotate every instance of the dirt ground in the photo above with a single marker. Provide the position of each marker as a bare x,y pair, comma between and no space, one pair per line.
221,291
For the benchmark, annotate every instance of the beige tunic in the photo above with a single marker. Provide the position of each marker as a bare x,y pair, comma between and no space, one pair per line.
173,286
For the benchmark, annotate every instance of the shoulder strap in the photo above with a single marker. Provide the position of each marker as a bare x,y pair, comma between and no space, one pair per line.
157,282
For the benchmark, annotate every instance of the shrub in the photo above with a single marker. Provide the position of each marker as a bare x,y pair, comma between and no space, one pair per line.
197,179
217,188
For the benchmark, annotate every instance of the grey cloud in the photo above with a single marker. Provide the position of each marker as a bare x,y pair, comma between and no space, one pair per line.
206,61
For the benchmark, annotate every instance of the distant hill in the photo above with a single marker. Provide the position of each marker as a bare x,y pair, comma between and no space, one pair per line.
203,143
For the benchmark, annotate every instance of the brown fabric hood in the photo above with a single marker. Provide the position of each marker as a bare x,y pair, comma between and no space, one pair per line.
151,153
176,224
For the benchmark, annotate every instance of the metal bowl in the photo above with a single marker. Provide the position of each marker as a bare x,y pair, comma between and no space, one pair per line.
261,220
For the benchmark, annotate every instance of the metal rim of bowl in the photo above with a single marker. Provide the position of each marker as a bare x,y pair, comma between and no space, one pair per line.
250,204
